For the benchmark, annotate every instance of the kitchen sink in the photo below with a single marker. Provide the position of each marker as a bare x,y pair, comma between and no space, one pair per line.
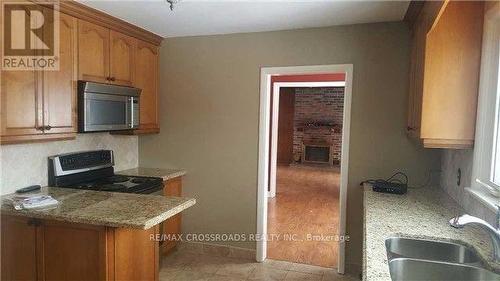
405,269
420,259
430,250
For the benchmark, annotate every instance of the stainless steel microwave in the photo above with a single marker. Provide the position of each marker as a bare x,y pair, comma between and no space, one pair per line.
105,107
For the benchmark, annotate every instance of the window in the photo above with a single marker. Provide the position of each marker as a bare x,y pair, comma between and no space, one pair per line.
486,167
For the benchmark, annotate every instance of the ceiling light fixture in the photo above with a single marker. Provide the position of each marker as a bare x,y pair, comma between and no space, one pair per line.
172,3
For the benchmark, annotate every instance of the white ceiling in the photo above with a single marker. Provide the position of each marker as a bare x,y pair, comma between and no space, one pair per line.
206,17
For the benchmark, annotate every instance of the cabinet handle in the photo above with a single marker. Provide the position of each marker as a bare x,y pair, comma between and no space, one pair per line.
39,128
410,128
48,127
112,78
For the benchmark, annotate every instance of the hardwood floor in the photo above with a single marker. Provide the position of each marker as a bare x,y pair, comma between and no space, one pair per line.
306,204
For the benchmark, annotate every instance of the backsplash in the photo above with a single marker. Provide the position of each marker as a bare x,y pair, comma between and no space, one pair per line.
26,164
451,161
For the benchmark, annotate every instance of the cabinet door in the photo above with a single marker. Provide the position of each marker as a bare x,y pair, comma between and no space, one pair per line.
172,226
146,78
93,52
59,87
136,255
122,58
21,103
451,77
81,248
18,260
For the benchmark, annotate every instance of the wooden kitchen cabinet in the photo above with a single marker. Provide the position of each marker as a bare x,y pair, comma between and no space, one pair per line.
146,78
35,249
172,226
451,77
418,33
59,87
81,248
18,243
41,105
93,52
21,103
444,73
105,56
122,58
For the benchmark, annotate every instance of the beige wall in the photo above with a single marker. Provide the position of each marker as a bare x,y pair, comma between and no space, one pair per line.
209,116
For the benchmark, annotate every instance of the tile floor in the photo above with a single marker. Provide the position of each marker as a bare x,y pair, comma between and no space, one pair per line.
306,202
188,266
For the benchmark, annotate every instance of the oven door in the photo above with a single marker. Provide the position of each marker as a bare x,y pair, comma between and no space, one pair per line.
104,112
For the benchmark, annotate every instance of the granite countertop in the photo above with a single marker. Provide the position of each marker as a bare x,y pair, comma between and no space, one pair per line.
111,209
421,213
165,174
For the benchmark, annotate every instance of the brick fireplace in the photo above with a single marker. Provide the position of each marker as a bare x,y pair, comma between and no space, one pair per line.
317,132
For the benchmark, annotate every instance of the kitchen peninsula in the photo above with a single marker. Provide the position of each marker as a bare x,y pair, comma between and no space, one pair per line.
90,235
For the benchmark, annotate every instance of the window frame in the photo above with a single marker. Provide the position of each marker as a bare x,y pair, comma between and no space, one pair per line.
482,185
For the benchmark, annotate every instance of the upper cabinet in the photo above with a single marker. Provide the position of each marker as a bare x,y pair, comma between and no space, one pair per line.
122,58
93,52
419,29
21,103
105,56
147,79
444,73
59,87
41,105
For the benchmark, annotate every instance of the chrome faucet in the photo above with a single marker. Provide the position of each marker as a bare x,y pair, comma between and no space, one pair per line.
461,221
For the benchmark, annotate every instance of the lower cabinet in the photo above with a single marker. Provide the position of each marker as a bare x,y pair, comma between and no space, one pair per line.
171,227
19,249
35,249
81,248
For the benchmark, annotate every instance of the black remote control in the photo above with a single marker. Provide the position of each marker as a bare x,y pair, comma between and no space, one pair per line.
29,188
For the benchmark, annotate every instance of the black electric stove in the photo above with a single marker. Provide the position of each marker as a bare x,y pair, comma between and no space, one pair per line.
93,170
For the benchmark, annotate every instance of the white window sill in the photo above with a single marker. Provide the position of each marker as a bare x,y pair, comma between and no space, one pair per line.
484,197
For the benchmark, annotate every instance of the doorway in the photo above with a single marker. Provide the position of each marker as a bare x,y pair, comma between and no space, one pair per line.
303,209
269,171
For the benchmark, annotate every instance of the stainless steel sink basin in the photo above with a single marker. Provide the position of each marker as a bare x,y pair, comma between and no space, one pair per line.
430,250
405,269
